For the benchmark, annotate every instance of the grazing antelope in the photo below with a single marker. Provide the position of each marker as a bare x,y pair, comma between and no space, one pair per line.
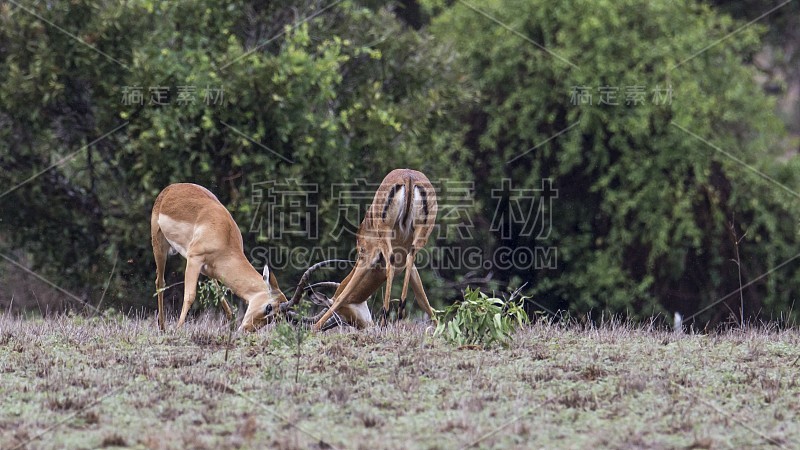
396,226
188,219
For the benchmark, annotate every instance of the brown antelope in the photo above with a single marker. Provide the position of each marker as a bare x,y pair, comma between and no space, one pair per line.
396,226
188,219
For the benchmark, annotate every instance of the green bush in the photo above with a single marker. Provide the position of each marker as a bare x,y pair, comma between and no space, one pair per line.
481,320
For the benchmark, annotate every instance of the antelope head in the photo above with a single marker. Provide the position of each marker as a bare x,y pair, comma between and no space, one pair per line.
266,306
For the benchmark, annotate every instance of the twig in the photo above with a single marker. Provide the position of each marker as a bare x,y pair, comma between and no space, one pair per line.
231,324
516,292
158,291
108,283
736,242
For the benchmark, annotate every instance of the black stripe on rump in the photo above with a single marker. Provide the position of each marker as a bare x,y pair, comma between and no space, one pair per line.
389,199
424,194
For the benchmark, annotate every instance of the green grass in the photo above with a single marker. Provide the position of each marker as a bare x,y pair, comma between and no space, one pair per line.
88,383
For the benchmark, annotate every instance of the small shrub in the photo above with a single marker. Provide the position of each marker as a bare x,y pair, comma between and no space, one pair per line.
481,320
287,334
211,292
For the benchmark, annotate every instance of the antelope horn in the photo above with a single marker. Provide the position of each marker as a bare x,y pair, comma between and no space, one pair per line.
298,293
297,319
324,284
333,322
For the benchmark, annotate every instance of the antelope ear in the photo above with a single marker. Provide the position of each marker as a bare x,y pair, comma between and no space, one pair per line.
265,273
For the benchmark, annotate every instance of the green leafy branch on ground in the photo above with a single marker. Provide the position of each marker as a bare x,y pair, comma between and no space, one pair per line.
211,293
481,320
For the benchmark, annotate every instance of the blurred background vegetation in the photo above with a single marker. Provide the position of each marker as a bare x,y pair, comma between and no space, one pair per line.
680,199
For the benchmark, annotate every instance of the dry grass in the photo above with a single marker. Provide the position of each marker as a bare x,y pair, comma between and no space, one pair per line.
89,383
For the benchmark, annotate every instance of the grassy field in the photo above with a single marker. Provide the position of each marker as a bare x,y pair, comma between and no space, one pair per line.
89,383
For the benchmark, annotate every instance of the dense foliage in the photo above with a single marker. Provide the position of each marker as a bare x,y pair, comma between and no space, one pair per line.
481,320
655,197
338,97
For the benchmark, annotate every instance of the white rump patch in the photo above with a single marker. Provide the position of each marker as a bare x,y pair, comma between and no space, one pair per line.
418,200
400,201
178,234
400,198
